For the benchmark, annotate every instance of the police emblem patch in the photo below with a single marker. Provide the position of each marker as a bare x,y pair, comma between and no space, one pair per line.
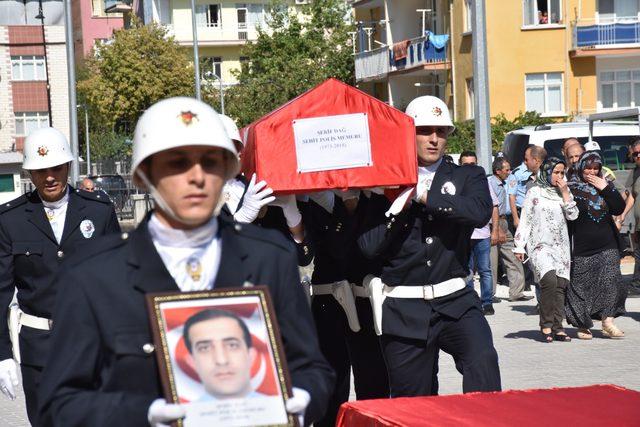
194,269
188,118
43,151
436,111
87,228
448,188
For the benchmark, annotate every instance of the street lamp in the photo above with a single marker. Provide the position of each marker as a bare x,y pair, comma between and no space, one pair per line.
40,16
86,136
210,74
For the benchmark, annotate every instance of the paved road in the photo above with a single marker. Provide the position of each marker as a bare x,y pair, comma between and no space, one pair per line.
524,361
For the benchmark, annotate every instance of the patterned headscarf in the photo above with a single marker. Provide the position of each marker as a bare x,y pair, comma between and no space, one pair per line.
583,191
545,177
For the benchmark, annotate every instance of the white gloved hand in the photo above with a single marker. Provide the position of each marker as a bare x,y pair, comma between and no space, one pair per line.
256,196
8,378
289,208
162,413
297,404
347,195
325,199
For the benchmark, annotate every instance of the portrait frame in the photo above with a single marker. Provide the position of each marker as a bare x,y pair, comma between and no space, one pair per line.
165,310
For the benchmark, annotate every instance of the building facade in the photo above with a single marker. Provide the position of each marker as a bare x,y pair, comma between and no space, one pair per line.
561,58
92,24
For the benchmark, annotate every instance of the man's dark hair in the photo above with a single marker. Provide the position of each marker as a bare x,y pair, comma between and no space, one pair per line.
498,164
634,141
467,153
209,314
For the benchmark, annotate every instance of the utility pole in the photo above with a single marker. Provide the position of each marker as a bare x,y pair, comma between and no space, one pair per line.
481,86
196,58
40,16
71,77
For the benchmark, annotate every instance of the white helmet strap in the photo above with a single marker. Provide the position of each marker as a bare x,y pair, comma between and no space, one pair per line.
162,204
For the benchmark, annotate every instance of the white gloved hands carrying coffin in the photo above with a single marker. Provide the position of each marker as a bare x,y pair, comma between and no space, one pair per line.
8,378
297,404
289,208
162,414
256,197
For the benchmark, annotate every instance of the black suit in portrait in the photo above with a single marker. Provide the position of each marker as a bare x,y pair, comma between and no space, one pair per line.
101,376
426,245
30,256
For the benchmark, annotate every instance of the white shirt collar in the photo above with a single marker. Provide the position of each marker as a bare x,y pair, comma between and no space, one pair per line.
168,236
431,169
58,203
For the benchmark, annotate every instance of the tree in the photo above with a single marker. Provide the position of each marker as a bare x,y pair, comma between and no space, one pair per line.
292,55
127,75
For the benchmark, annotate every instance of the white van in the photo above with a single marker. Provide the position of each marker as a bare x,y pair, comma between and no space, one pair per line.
613,138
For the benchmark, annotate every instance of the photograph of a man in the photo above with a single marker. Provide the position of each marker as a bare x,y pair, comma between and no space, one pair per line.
219,343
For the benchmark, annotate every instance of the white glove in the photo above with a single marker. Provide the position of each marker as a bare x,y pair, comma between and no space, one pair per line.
347,195
289,208
256,196
297,404
325,199
162,413
8,378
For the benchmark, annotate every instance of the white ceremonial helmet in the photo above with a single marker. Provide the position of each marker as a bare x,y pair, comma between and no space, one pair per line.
592,146
45,148
178,122
430,111
231,128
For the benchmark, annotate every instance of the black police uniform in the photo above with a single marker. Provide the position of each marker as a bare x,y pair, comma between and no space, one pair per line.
103,373
337,257
426,245
30,256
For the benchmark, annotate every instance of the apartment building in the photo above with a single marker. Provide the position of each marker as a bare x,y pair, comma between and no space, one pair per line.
223,27
93,24
561,58
402,49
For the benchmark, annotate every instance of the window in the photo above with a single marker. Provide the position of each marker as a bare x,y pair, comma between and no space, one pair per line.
208,15
27,68
6,183
619,89
610,11
468,16
544,93
26,122
541,12
211,64
471,99
242,12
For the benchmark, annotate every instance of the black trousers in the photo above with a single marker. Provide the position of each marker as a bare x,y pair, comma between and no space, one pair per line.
346,350
412,363
31,376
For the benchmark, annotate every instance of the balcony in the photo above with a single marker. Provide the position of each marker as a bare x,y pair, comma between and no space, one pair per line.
118,6
221,35
421,55
620,33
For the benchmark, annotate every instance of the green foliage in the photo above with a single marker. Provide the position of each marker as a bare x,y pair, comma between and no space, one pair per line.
110,145
464,137
291,56
139,67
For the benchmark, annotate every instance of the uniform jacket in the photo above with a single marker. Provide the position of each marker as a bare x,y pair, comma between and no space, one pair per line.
30,256
426,245
101,376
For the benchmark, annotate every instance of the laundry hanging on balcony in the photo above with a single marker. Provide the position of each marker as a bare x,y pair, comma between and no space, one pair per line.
400,50
439,41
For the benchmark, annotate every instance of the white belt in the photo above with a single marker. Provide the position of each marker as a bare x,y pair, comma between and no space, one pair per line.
427,292
35,322
342,292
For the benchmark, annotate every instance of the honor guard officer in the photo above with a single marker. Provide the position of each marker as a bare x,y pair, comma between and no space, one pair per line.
421,295
341,311
37,231
104,370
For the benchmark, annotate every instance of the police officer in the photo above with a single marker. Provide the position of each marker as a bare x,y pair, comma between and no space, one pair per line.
421,302
341,311
37,231
104,371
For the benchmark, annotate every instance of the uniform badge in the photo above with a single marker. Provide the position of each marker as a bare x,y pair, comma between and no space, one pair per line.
448,188
43,151
194,269
188,118
87,228
436,111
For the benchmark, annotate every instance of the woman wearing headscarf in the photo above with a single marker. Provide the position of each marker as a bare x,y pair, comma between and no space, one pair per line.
596,291
542,234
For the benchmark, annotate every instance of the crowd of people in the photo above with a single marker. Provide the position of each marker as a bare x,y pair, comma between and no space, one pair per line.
391,283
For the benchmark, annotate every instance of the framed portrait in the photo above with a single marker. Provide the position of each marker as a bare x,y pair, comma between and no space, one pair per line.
220,355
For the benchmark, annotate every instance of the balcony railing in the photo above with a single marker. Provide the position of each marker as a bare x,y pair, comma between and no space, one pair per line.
620,31
222,34
378,63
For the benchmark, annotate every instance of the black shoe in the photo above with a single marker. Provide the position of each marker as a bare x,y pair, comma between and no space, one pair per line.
488,310
496,300
522,298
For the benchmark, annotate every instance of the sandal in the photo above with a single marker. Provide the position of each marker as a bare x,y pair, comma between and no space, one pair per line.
563,337
547,337
612,331
585,334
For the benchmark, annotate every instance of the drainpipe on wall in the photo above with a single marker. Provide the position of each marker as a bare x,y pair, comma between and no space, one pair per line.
453,63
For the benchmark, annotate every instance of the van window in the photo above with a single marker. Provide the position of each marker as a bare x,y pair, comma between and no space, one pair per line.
514,147
613,148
